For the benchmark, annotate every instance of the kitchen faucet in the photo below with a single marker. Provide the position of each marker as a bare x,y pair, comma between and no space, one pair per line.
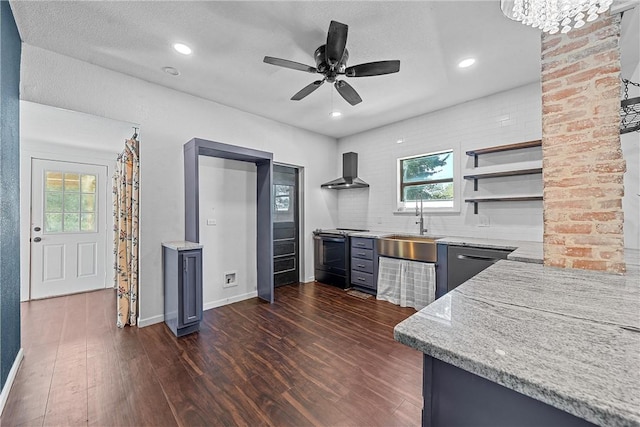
421,222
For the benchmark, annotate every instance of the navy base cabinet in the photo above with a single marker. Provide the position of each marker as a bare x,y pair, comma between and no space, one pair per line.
455,397
182,277
364,264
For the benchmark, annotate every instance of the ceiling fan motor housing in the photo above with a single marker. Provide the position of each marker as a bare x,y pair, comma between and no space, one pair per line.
324,68
331,61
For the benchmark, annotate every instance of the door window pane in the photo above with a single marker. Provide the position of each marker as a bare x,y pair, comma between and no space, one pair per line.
53,181
71,222
53,201
88,203
87,222
69,202
71,182
88,183
283,203
53,222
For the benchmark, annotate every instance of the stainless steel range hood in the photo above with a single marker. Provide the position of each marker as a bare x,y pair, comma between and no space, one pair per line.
349,178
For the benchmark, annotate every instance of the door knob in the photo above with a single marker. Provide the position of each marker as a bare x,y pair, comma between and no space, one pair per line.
37,229
37,239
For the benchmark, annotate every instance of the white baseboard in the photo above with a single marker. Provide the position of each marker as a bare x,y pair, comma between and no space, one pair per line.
310,279
4,395
225,301
150,320
206,306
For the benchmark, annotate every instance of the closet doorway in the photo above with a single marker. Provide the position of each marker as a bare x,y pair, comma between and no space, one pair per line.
286,232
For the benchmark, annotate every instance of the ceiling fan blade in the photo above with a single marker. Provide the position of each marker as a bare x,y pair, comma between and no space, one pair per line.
347,92
289,64
336,42
373,69
307,90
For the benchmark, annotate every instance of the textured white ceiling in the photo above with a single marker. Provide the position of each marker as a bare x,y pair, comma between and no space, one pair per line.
230,39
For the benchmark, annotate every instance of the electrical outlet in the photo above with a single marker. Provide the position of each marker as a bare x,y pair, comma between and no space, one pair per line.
230,279
483,220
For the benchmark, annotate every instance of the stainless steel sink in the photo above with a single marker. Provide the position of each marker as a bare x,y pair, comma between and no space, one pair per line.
415,248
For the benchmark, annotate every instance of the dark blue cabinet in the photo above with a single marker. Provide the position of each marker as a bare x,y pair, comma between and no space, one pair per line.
182,277
364,264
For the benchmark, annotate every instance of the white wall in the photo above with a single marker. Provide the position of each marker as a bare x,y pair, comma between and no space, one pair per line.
228,196
168,119
631,151
503,118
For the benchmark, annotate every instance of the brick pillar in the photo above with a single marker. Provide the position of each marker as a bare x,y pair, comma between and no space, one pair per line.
583,166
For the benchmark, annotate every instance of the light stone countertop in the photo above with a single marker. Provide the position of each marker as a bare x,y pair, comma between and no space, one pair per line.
523,251
181,245
569,338
372,234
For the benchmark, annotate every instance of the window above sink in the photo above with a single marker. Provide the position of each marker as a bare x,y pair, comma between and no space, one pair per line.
434,176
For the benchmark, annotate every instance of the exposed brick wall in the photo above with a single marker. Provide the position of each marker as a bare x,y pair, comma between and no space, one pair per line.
583,166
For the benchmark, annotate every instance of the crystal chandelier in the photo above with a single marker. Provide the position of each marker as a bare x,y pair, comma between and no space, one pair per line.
552,16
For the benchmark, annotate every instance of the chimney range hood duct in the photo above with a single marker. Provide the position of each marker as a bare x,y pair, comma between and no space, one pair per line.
349,178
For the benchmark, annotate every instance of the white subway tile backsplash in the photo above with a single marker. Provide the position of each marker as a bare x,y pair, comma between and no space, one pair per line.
475,124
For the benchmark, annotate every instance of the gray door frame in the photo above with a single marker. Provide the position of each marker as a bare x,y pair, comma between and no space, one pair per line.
264,163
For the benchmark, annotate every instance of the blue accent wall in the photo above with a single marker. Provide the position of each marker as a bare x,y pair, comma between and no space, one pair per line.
10,48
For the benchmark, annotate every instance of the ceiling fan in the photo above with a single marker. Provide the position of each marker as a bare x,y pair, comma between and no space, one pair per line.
331,61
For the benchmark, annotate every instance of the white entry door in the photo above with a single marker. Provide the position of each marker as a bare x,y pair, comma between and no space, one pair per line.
68,227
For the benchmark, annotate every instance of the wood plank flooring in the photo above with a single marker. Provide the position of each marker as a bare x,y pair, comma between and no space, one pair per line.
318,356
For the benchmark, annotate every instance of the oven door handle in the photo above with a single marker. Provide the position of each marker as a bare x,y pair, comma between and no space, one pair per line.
330,239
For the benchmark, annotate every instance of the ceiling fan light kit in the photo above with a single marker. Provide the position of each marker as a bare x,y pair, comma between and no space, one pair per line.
554,16
331,61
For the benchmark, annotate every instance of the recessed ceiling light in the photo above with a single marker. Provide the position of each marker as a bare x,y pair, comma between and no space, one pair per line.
335,114
182,48
400,141
466,63
171,70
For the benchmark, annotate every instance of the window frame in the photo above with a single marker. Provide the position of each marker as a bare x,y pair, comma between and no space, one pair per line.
432,206
63,192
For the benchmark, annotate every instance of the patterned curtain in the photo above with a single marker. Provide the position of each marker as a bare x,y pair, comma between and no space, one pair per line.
125,211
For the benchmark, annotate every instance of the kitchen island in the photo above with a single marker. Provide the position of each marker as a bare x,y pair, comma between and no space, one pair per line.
524,344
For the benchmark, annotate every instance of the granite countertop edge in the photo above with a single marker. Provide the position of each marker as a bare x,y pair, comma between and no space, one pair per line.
588,411
181,245
576,401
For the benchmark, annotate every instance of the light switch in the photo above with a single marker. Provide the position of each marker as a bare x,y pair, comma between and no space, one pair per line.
211,221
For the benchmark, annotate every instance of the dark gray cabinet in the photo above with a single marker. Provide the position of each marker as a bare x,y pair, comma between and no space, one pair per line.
182,277
457,264
364,264
455,397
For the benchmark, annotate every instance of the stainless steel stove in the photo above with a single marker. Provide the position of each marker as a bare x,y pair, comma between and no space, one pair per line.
332,256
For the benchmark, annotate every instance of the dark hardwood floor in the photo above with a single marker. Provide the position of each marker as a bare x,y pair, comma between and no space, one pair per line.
318,356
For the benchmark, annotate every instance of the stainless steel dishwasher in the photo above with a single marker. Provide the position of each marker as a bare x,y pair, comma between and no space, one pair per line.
465,262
